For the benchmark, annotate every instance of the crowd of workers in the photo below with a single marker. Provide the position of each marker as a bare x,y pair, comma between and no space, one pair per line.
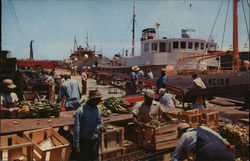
205,143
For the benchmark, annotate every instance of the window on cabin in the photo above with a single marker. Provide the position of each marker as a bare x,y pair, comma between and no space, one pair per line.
146,48
169,47
183,44
196,46
175,45
190,45
202,46
154,47
162,47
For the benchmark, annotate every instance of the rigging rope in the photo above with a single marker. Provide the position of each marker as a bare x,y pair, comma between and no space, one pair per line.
19,29
126,34
215,21
245,19
224,26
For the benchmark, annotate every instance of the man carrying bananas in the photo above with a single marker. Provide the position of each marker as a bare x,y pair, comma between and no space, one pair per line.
144,112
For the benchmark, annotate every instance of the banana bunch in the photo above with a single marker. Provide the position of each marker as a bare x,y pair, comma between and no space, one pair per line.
238,136
156,123
105,112
24,109
39,109
116,105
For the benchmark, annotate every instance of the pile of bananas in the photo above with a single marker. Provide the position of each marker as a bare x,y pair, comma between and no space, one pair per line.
116,105
156,123
39,109
238,136
104,110
24,106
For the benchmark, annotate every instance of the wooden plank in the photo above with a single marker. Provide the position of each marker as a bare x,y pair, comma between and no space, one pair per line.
15,146
56,154
166,145
55,141
121,137
38,136
165,137
166,128
14,153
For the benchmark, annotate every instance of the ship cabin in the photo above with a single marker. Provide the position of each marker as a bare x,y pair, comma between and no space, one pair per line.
150,44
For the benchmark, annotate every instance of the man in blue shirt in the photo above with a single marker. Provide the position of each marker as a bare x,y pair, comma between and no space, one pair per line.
87,126
204,143
161,82
72,91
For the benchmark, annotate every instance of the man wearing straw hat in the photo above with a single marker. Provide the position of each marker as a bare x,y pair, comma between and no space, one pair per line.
204,143
87,126
135,79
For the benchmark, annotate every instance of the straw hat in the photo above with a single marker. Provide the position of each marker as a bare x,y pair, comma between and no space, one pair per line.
135,68
9,83
150,93
161,91
95,94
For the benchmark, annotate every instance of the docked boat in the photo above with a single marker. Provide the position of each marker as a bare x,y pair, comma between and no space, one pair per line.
183,57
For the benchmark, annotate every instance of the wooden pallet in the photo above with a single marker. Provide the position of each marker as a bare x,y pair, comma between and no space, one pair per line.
112,139
194,119
210,118
60,151
14,147
159,138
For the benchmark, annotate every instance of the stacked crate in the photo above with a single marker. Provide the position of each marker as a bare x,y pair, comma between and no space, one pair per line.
158,138
13,147
112,142
210,118
48,145
194,119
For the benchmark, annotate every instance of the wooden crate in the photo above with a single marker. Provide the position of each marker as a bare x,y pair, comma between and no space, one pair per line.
13,147
194,119
112,153
59,151
210,118
112,139
164,137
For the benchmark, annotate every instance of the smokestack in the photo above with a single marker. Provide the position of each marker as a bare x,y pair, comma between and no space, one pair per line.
31,50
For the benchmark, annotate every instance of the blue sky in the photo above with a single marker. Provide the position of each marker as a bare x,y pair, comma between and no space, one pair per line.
52,24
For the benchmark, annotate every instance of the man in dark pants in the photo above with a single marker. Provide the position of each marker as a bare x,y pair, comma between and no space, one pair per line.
204,143
87,126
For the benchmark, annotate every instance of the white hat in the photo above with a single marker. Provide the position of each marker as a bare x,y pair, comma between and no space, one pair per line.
9,83
162,90
135,68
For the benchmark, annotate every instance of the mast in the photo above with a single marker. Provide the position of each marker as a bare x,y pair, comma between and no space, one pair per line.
236,57
133,31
